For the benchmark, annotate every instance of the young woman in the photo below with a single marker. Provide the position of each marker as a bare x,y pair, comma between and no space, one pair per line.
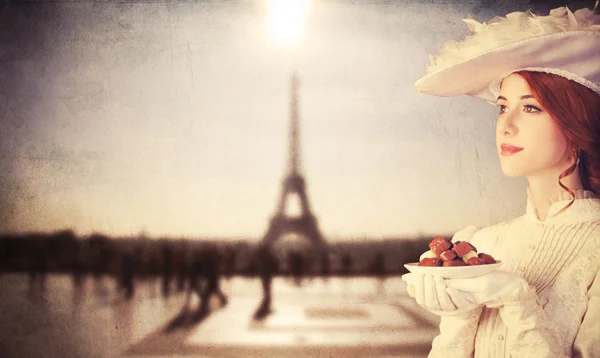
543,74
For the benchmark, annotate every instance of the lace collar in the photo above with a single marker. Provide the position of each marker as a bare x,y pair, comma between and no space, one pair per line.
586,207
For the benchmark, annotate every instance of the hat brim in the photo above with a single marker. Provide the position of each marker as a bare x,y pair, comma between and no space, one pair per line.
576,52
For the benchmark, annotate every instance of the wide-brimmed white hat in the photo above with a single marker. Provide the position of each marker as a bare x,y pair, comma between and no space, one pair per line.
563,43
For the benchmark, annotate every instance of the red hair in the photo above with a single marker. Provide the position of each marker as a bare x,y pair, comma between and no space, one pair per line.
576,110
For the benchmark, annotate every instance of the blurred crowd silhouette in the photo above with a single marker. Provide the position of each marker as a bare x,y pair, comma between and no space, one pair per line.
192,268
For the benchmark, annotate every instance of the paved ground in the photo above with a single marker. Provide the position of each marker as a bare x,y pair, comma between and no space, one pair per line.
354,317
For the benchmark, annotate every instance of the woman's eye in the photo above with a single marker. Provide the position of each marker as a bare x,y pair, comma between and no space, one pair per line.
531,109
502,108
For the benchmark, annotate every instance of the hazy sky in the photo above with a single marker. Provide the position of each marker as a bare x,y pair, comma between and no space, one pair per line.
172,118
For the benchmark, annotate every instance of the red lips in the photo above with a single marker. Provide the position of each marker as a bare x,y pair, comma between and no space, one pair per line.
507,149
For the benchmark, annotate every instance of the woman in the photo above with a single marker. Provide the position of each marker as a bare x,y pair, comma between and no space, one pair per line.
543,74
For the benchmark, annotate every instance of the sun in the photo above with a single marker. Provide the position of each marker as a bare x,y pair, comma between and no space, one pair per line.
286,20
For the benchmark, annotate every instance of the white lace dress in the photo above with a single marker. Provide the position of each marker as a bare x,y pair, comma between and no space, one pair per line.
560,259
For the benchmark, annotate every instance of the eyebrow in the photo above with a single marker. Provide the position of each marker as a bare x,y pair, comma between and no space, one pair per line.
527,96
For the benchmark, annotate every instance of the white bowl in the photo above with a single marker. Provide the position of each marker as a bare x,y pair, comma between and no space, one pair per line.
453,271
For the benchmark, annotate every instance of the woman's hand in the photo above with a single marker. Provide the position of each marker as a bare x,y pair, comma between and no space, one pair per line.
494,289
431,293
465,234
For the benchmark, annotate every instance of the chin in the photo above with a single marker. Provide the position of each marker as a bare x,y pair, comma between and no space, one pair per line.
512,171
512,174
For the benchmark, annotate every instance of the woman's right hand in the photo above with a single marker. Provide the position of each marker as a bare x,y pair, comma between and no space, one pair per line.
431,293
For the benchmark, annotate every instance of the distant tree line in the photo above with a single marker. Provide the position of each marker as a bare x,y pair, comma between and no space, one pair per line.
63,251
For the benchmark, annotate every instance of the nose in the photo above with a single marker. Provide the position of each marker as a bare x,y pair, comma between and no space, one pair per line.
506,125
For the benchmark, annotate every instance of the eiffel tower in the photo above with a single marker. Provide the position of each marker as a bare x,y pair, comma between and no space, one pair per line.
305,224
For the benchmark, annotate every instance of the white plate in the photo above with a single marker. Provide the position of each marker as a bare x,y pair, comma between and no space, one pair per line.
453,271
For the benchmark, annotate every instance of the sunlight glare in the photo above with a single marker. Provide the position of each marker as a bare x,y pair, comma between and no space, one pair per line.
286,20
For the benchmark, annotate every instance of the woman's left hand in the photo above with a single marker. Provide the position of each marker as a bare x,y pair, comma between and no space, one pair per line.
494,289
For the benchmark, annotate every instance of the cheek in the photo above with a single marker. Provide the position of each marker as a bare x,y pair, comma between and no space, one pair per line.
558,138
552,142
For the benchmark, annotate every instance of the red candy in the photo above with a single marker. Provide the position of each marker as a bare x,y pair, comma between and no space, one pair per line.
453,263
438,250
487,259
463,248
438,245
474,261
430,261
447,255
438,240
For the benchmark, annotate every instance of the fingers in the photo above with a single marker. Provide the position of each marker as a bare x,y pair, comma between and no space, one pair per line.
464,234
462,300
431,293
456,312
445,301
429,290
419,289
471,285
410,289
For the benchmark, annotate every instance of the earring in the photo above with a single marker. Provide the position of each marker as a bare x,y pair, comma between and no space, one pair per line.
576,155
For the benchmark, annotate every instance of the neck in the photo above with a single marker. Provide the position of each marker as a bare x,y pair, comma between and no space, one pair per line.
545,188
